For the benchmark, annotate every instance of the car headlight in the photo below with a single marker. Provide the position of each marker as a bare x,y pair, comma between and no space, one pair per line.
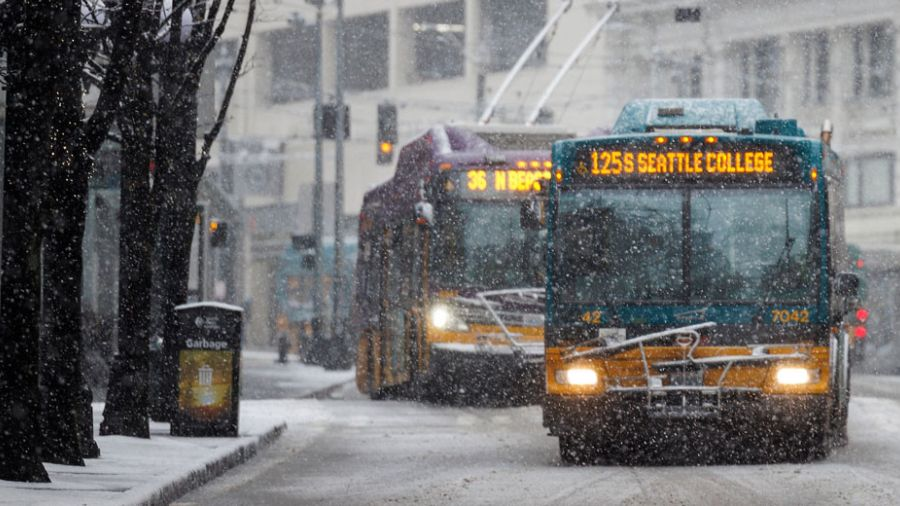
796,376
443,317
581,376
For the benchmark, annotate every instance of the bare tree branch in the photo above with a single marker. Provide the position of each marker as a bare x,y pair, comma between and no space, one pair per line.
94,132
197,65
210,137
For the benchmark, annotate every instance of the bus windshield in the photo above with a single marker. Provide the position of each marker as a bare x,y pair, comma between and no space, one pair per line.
482,244
686,245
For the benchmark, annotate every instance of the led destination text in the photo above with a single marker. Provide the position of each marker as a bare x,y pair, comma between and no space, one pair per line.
615,163
505,180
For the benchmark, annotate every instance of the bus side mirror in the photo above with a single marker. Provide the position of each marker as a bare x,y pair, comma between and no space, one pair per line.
424,213
531,215
846,284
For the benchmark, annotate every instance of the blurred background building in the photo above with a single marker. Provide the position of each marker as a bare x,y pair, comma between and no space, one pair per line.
441,61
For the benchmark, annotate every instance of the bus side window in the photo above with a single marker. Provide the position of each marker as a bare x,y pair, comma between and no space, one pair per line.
371,283
396,289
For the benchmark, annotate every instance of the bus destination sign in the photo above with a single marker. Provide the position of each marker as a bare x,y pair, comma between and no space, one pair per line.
613,163
497,182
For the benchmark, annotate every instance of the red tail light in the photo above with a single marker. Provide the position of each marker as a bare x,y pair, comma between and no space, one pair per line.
860,332
862,314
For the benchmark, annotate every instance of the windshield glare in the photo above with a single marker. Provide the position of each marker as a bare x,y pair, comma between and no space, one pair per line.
483,245
698,245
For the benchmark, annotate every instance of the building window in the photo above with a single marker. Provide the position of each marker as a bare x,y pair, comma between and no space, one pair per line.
695,77
816,54
294,63
873,60
439,38
680,77
505,37
225,55
366,52
870,181
759,67
252,167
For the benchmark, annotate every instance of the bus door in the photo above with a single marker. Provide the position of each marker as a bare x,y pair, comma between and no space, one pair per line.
396,300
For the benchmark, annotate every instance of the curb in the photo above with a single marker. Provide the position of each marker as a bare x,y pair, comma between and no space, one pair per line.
198,477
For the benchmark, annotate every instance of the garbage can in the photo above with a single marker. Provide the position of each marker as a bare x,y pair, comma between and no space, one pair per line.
208,350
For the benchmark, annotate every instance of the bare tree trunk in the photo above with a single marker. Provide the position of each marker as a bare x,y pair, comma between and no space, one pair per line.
29,102
179,174
126,411
75,143
64,210
176,199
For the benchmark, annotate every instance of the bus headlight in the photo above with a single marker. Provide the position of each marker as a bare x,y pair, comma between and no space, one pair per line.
443,317
796,376
580,376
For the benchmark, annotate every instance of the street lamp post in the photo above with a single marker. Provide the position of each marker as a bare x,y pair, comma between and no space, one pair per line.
318,309
336,348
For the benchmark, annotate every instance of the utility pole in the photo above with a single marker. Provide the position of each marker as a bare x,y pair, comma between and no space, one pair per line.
337,278
318,309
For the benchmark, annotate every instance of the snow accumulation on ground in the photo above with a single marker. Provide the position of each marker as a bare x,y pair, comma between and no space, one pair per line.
133,470
265,378
359,452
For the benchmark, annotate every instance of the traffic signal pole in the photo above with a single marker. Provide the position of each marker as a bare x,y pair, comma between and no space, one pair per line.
336,350
318,309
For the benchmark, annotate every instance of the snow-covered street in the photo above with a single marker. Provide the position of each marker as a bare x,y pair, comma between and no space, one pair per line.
350,450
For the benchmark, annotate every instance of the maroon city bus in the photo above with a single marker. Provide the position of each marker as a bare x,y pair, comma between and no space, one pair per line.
449,295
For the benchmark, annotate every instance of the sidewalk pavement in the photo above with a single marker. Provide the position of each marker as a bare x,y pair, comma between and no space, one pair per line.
152,471
262,377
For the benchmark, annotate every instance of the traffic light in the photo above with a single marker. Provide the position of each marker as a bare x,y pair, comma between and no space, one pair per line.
387,132
218,233
305,244
329,121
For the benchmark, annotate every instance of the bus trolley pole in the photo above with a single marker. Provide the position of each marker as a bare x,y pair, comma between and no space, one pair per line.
317,188
570,61
532,47
336,350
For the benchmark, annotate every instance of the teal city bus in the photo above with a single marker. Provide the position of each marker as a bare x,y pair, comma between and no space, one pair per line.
695,272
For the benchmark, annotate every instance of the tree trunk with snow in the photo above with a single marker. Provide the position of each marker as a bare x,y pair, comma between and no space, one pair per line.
74,144
63,228
29,102
179,171
126,412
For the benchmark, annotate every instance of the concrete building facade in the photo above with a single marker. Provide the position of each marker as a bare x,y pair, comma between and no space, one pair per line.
441,60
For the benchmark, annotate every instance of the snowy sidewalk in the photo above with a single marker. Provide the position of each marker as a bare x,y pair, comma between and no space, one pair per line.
154,471
262,377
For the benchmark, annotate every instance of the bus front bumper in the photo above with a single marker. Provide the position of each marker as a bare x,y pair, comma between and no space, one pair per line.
614,412
490,368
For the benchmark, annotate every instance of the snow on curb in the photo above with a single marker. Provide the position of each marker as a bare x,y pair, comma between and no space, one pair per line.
180,483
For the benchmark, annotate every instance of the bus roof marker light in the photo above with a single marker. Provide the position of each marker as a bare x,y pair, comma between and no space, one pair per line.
522,164
711,139
661,140
445,166
535,164
548,164
685,139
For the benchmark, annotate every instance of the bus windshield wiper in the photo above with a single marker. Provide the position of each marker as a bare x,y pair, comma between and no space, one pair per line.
783,258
